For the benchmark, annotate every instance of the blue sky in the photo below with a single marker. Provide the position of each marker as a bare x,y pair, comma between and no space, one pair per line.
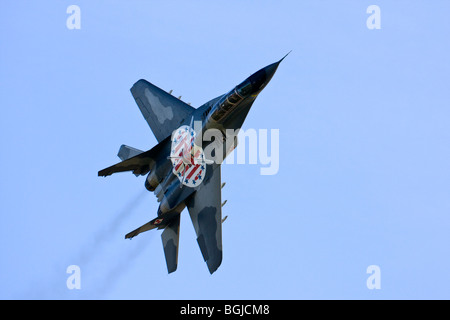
363,117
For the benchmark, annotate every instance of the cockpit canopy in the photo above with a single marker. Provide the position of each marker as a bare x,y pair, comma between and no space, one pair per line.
251,85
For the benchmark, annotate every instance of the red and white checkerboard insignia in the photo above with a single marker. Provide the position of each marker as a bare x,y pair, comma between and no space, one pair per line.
158,221
187,158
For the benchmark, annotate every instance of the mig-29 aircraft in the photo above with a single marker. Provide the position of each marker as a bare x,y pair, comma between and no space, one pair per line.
180,171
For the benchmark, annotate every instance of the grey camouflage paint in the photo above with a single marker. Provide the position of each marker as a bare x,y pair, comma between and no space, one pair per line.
164,114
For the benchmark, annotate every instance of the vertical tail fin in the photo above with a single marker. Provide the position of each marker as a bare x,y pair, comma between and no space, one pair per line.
127,152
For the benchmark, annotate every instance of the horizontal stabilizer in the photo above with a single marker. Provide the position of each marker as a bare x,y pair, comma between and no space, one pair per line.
155,223
139,164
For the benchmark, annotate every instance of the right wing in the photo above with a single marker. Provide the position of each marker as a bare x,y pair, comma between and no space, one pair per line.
163,112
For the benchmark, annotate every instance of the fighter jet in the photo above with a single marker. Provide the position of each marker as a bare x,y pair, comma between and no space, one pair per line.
184,168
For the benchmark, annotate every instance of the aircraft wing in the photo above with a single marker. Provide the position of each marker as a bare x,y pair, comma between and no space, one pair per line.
163,112
170,239
205,209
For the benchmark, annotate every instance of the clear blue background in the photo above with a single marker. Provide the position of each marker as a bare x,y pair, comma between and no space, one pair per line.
364,148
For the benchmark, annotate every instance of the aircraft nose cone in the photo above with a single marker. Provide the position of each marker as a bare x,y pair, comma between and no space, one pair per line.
272,68
270,71
258,81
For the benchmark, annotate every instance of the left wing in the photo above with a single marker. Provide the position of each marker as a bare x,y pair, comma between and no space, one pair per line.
206,214
170,239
